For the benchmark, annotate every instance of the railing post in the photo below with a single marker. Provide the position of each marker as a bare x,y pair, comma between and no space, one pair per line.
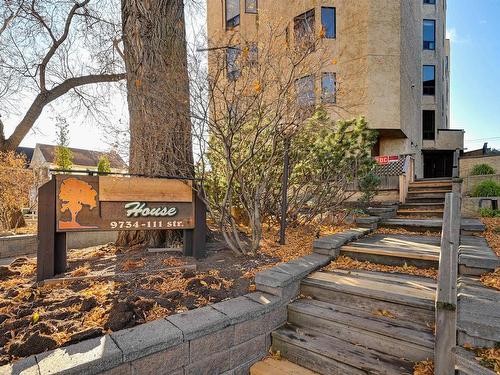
446,299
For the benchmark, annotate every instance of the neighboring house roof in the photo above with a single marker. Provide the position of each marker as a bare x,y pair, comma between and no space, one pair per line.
27,152
83,157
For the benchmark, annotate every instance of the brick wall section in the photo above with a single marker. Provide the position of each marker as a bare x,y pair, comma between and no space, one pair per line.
225,338
466,164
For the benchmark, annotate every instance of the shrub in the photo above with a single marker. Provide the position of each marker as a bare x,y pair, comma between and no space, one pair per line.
481,170
368,186
488,188
489,212
15,184
104,166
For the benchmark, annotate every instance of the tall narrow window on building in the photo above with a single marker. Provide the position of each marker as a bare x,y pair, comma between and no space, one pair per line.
303,27
233,69
232,13
251,6
328,22
430,2
305,91
430,34
328,88
429,80
429,125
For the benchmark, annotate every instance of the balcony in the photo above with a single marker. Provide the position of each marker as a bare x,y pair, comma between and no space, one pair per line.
446,139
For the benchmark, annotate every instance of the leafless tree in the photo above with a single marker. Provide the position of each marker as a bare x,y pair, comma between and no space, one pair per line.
51,49
247,99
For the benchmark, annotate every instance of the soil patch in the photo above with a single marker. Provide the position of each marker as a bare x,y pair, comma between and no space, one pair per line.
96,298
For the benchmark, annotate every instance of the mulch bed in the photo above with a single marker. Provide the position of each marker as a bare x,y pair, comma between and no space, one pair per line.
109,288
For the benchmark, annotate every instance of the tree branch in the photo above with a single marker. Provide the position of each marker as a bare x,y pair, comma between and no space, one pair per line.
56,42
46,97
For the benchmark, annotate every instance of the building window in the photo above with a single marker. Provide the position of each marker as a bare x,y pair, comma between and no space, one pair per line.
429,125
328,22
429,80
433,2
251,6
252,54
305,91
303,27
233,69
328,88
232,13
430,34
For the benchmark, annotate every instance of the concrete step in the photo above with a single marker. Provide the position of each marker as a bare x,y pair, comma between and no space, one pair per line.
391,336
333,356
271,366
395,250
407,297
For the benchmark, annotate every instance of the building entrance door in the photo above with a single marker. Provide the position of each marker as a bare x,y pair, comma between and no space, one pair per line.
438,164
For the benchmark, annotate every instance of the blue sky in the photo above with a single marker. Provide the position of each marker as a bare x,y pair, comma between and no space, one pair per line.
475,70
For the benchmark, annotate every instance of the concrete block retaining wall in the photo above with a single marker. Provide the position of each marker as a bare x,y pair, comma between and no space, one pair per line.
225,338
471,206
15,246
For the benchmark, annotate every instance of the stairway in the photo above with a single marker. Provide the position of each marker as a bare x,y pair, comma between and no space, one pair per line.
359,322
425,198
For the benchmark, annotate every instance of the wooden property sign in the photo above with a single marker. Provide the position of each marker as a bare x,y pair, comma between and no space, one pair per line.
78,203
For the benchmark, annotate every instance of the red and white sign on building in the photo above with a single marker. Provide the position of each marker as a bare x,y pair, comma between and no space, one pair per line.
386,159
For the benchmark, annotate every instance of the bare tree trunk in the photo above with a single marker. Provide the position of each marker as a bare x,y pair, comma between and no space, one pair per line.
158,94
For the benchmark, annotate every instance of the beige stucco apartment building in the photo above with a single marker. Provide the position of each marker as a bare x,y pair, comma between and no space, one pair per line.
390,61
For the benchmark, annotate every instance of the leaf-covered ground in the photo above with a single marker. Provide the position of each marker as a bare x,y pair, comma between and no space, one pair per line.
492,235
110,288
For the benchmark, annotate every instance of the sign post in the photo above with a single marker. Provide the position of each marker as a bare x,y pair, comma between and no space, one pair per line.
76,203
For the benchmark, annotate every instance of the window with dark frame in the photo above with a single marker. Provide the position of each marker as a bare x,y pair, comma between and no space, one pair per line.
303,27
429,125
251,6
233,69
328,22
232,13
329,87
305,91
429,34
432,2
429,79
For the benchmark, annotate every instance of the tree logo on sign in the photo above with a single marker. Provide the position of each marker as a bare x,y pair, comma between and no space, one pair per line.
74,194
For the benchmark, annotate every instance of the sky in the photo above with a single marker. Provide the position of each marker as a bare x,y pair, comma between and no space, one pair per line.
475,82
475,70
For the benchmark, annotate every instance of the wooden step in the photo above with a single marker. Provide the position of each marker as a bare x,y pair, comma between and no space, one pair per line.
332,356
468,225
391,336
478,313
422,205
426,199
271,366
397,250
418,188
422,192
407,297
426,213
432,181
